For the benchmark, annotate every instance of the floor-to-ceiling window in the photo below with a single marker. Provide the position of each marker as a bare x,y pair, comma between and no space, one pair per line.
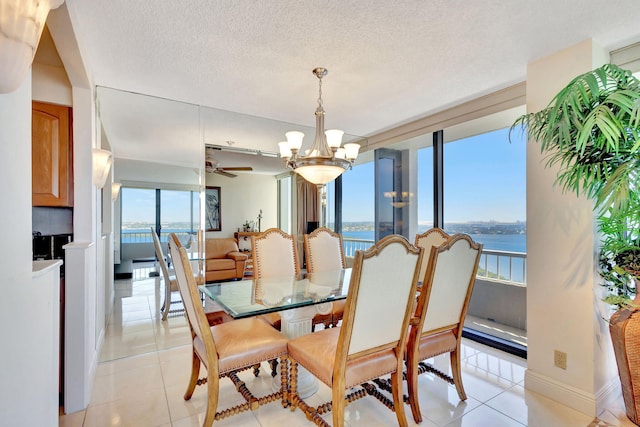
484,197
484,183
358,198
425,189
285,203
166,211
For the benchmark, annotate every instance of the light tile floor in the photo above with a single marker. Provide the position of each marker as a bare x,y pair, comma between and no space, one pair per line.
145,364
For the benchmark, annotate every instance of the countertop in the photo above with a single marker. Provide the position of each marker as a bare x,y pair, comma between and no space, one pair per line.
43,267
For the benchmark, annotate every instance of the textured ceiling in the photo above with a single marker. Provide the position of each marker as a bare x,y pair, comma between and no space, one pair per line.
389,62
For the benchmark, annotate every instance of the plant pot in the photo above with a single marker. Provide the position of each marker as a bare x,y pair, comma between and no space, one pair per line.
624,327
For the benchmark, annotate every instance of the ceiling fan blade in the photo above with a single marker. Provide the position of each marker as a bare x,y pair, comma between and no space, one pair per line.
222,172
238,168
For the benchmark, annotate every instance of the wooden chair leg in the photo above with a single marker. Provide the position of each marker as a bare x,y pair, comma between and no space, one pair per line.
274,367
284,378
454,357
212,402
412,385
293,384
338,405
195,371
398,403
167,300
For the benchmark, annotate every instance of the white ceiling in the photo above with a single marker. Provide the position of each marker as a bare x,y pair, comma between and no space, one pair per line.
389,62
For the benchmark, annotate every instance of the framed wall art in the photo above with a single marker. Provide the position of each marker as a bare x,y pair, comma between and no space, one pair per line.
213,220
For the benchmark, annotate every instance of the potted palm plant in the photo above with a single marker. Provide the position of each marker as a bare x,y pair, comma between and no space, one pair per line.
590,131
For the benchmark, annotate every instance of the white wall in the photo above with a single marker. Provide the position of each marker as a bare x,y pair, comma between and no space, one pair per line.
50,84
24,374
562,293
241,199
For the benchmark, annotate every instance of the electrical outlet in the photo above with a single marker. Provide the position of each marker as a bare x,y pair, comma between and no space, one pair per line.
560,359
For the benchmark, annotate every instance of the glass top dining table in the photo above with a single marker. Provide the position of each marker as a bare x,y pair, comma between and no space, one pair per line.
253,297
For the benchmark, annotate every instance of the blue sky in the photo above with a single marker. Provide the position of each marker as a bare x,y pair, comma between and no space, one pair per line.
484,180
141,204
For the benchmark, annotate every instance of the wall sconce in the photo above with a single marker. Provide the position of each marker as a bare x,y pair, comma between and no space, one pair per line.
115,190
21,25
101,164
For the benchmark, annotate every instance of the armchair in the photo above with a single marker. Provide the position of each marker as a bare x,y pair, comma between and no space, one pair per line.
223,259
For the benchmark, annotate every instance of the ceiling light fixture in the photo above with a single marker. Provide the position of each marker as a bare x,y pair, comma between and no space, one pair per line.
325,160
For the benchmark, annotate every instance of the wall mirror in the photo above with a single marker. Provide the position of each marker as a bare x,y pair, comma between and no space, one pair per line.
160,145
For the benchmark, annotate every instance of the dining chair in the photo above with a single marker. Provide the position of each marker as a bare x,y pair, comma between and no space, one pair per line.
323,249
215,313
433,237
170,283
226,349
371,341
439,318
274,254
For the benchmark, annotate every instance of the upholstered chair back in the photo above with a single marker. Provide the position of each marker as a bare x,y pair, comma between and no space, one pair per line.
381,295
430,238
450,278
274,254
323,250
189,292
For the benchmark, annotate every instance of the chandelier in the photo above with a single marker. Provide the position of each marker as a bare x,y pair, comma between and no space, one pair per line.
325,160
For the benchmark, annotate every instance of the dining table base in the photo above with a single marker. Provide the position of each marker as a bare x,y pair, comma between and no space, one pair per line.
296,323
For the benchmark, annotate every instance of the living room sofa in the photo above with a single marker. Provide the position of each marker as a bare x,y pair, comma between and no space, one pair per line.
223,260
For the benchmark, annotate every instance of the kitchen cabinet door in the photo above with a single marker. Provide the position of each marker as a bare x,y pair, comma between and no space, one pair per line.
51,155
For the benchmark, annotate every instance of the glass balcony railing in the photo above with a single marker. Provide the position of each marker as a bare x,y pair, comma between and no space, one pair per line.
502,266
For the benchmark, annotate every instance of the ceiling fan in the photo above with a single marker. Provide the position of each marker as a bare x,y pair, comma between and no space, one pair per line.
212,165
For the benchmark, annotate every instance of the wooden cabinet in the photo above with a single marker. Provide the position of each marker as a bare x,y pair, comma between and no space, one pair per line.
51,155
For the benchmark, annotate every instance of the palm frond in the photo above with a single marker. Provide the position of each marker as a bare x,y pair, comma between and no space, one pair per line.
589,130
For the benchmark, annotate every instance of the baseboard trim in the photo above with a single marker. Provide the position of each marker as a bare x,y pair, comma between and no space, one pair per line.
611,392
562,393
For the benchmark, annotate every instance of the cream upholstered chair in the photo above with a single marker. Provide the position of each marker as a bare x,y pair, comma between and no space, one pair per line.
170,283
222,352
274,255
323,251
442,308
430,238
371,341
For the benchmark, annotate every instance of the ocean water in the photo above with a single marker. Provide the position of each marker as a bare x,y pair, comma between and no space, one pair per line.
498,242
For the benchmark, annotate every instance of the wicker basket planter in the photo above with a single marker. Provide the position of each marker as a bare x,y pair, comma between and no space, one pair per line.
624,327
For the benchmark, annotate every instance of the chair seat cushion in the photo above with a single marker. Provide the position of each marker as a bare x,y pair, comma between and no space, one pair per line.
272,319
173,284
221,264
338,307
242,343
435,344
317,353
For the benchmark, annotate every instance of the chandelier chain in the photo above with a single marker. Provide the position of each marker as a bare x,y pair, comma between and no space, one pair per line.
320,93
